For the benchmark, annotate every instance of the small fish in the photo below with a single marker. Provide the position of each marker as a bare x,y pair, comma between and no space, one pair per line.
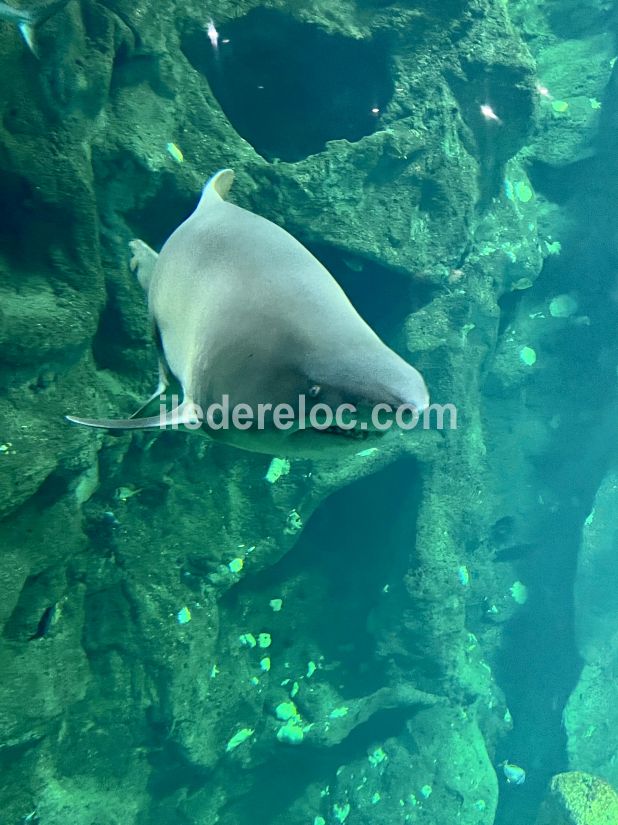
45,622
489,114
175,152
368,451
125,493
544,91
110,518
183,616
463,574
28,20
212,34
513,773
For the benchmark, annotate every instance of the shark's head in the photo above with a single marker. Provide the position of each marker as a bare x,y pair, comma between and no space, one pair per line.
340,407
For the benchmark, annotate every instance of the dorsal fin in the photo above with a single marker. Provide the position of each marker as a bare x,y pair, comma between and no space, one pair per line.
217,187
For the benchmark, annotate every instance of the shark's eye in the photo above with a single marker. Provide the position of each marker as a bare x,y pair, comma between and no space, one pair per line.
314,391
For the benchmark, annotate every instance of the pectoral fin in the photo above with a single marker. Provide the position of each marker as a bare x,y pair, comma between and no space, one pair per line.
186,413
161,387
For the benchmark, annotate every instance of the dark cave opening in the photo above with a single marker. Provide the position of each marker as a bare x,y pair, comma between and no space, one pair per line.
29,227
560,185
289,87
357,542
158,216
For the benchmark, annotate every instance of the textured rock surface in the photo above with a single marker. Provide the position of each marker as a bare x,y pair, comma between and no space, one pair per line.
579,799
591,711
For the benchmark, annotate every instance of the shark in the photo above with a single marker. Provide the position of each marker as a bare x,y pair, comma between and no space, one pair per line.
241,310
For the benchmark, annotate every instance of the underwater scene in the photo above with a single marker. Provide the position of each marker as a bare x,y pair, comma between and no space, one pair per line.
308,420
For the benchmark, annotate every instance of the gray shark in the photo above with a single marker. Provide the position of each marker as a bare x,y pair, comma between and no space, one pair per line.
28,19
242,310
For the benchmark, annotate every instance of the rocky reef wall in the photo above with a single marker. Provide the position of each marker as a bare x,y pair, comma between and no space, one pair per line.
368,674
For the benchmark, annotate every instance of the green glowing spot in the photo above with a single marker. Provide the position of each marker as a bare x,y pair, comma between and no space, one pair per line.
241,736
377,756
563,306
375,798
480,805
311,668
214,671
183,616
319,820
254,681
341,812
589,518
338,713
519,592
264,640
291,733
523,192
553,247
286,711
236,565
426,791
265,664
559,106
276,605
527,356
247,640
278,467
294,690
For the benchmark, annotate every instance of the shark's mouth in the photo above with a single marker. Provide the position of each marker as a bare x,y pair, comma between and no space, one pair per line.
355,433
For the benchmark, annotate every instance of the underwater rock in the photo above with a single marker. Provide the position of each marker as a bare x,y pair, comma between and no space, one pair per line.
596,579
591,714
341,721
128,712
576,72
414,774
577,798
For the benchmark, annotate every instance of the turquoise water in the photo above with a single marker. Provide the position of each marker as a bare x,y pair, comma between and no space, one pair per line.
410,619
